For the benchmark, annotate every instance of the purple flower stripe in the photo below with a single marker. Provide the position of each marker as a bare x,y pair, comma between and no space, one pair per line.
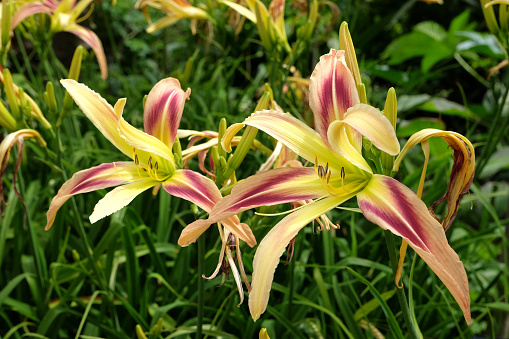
163,110
346,92
94,179
193,187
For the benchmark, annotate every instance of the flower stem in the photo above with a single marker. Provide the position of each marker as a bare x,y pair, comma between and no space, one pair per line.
201,256
391,247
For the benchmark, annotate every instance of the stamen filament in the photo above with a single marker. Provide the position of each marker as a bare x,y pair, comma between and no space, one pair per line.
118,173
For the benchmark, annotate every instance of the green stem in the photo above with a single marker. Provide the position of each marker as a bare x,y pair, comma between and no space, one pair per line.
493,137
201,258
391,247
470,70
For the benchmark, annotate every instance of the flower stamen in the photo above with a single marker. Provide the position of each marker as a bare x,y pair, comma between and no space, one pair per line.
325,173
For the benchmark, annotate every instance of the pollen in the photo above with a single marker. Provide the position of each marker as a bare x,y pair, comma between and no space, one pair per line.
324,173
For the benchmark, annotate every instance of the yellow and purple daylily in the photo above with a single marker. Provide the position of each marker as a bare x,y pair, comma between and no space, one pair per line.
65,17
151,153
340,173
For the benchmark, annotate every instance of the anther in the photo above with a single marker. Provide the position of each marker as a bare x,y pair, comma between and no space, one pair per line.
136,160
342,176
156,165
150,162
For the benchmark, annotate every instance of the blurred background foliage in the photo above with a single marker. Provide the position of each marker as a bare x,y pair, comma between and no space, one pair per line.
100,281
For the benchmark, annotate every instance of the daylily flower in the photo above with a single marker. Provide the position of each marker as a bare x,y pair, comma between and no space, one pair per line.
15,138
174,10
270,22
151,153
65,17
340,173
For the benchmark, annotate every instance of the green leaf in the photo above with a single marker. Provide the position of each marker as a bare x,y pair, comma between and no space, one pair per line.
431,29
372,305
483,43
498,161
11,285
499,306
460,22
391,319
410,102
412,45
447,107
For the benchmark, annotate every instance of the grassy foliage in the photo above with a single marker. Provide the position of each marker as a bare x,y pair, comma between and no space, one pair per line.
102,280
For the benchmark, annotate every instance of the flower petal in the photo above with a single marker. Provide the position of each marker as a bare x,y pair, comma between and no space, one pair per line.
92,179
99,112
277,186
145,142
11,139
163,110
194,187
372,124
462,172
393,206
27,10
119,198
332,91
94,42
341,144
273,245
296,135
273,187
250,15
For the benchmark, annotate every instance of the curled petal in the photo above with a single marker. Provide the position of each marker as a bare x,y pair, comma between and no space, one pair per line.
393,206
11,139
332,91
163,110
273,245
27,10
99,112
119,198
372,124
462,173
92,179
273,187
94,42
341,144
5,149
